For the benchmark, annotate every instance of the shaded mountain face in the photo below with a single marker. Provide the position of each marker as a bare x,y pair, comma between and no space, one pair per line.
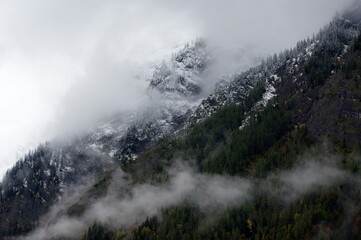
316,84
322,90
305,110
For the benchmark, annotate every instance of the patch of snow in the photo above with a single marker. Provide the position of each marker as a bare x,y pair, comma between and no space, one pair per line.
25,183
309,49
112,152
69,169
275,77
261,104
345,49
47,172
96,147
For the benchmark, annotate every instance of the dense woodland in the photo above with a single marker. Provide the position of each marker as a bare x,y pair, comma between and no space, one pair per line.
272,141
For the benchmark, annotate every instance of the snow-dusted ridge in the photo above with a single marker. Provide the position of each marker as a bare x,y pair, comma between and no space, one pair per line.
174,103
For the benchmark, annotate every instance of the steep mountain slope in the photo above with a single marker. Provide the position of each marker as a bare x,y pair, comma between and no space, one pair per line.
322,91
255,126
39,180
313,98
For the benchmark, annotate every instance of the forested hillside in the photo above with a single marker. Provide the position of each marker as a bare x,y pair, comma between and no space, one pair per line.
312,126
273,153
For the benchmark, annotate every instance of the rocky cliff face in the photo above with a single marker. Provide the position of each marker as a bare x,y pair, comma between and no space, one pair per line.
174,91
181,76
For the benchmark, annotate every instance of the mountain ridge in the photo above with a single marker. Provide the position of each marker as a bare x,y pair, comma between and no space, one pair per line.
277,74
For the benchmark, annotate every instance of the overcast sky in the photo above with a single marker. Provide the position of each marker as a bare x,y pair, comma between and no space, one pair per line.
63,64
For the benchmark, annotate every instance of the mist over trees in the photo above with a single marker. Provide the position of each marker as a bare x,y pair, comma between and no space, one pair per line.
272,153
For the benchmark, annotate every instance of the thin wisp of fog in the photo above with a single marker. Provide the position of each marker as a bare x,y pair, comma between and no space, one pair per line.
66,65
125,205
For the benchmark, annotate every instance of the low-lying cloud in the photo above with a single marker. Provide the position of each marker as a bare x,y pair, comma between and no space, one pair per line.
311,175
125,205
307,177
211,193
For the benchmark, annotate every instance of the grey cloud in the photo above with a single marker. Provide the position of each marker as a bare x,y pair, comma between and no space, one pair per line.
308,177
124,37
126,205
119,209
79,57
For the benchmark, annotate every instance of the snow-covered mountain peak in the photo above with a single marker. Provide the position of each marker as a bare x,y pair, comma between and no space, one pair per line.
181,75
